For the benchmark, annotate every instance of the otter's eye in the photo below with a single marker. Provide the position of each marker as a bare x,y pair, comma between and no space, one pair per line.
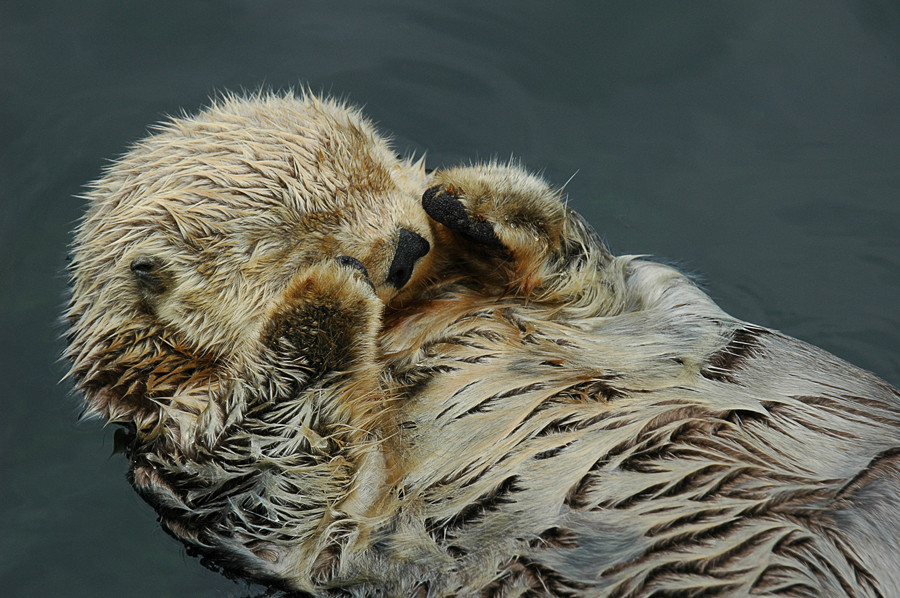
146,270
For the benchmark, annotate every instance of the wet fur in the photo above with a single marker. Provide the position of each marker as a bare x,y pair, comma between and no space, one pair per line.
529,416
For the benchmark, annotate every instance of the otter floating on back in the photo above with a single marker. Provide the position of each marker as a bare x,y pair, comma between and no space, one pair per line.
344,376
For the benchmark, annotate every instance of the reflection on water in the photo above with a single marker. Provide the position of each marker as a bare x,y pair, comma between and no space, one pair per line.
755,145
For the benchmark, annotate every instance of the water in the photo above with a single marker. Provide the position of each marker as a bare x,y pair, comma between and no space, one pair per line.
756,145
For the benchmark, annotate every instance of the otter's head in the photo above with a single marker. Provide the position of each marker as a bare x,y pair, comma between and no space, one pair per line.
192,240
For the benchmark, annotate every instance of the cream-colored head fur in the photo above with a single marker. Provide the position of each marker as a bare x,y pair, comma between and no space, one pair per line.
193,236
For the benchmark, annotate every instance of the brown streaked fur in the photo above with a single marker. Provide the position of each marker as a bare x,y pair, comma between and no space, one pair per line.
528,415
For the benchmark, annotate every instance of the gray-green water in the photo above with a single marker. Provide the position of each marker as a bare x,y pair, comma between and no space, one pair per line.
755,144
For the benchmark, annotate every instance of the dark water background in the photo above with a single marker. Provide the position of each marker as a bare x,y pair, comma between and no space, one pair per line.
755,144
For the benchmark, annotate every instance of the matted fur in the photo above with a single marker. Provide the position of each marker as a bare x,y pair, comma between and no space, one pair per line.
529,415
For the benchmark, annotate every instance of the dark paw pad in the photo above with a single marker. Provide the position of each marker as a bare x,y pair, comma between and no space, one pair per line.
444,207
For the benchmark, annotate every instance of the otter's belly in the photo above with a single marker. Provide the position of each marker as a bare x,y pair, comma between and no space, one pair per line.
641,452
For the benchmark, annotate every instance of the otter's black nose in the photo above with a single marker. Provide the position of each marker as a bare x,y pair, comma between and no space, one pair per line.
410,247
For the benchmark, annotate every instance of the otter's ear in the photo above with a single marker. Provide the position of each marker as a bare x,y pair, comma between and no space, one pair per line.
150,275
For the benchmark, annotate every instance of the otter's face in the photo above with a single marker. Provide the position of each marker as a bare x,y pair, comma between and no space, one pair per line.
391,236
194,239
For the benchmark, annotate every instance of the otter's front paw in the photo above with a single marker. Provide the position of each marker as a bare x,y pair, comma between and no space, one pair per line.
501,208
327,318
443,204
497,206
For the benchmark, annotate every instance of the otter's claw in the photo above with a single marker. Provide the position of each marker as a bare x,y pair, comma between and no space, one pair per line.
352,262
443,205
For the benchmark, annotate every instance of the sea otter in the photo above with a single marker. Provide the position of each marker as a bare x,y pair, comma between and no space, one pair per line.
344,376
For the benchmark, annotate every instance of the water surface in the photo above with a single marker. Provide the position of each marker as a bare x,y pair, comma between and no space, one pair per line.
753,144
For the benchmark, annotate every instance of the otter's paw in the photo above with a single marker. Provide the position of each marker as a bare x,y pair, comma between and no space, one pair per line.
499,207
327,318
355,264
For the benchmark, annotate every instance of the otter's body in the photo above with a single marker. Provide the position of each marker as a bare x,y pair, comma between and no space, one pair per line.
465,395
666,451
